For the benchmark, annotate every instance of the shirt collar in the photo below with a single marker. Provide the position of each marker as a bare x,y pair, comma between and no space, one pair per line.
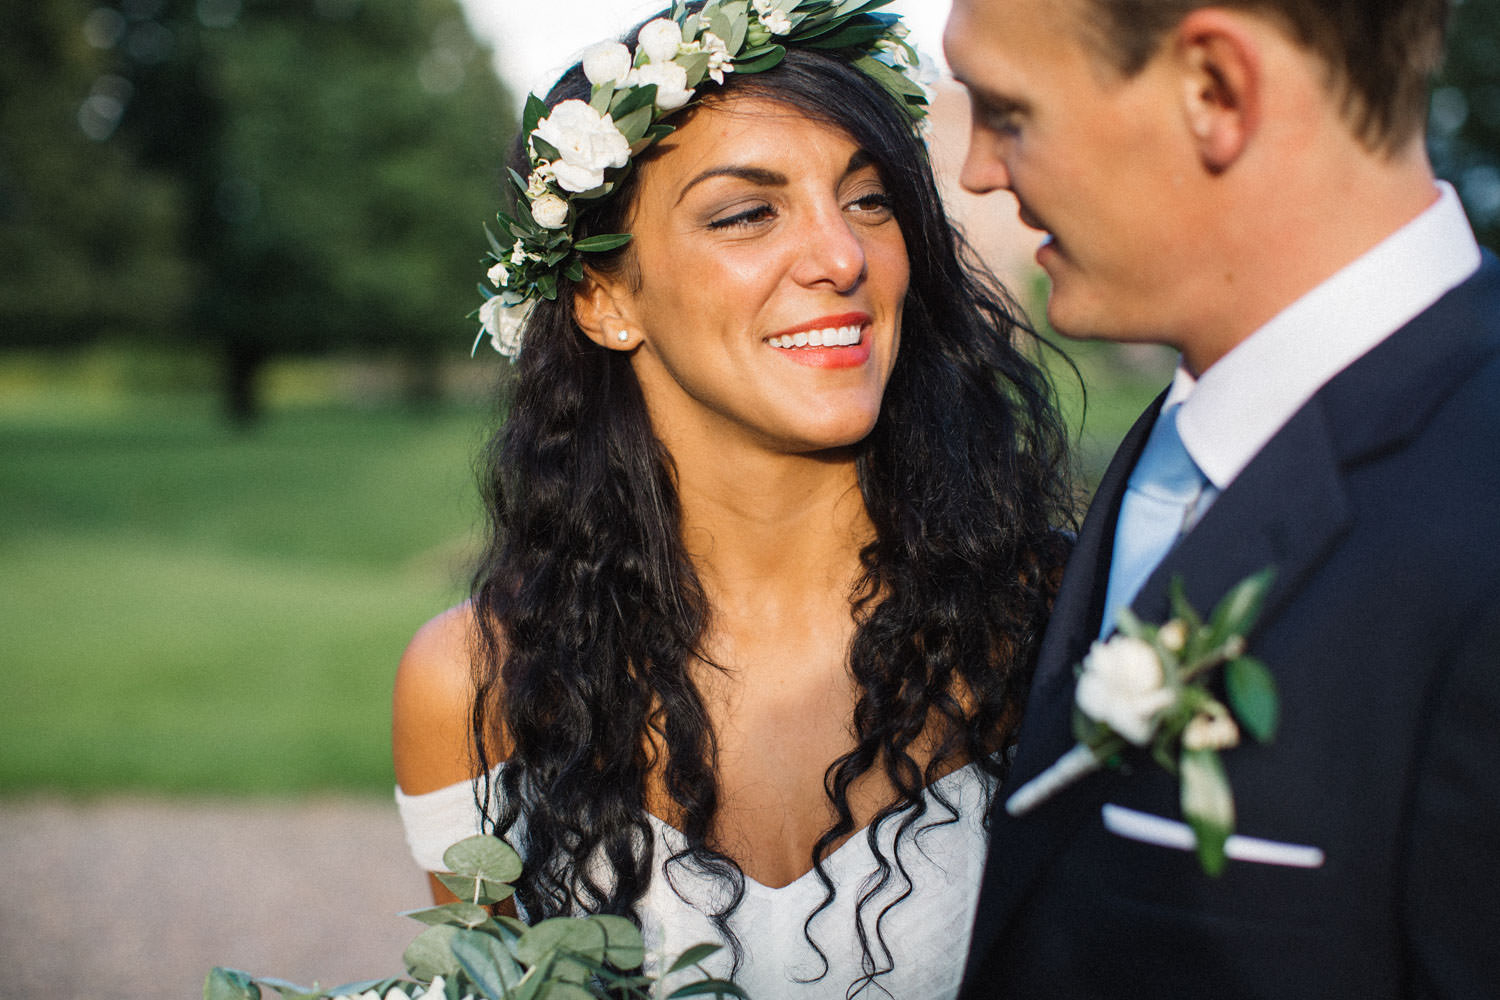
1237,405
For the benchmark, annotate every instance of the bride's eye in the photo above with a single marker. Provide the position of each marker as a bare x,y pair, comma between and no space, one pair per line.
748,217
873,206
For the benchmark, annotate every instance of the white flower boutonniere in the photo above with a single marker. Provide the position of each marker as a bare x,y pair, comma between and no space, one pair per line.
1148,687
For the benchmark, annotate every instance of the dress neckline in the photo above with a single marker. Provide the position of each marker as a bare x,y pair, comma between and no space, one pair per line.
831,863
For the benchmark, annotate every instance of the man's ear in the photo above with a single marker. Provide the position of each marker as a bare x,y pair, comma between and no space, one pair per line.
603,313
1222,79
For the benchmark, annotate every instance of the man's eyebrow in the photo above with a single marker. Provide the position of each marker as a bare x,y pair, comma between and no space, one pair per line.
993,101
754,175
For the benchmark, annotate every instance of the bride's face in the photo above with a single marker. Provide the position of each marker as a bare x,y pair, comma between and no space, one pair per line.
758,236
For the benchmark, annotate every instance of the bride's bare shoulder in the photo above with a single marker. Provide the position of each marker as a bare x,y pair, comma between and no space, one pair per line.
430,739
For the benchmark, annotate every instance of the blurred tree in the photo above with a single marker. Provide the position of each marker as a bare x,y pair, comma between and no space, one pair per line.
1465,126
332,160
89,243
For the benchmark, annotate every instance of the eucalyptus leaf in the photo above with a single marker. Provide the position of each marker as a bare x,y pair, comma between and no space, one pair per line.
1129,625
631,99
600,99
229,984
696,66
623,947
460,914
598,244
565,991
487,963
1236,613
467,887
431,953
1252,695
739,20
719,23
1181,609
290,990
536,110
584,938
495,246
381,986
850,36
1208,805
634,125
693,956
709,987
760,64
852,7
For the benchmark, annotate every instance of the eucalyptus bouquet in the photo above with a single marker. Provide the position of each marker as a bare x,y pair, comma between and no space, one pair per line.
468,953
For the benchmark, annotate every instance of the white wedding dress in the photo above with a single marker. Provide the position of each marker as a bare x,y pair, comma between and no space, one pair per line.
927,933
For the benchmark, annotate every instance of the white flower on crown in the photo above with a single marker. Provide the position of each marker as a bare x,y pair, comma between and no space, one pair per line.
588,142
550,211
719,59
499,275
672,91
1123,685
776,20
606,62
518,254
660,39
504,324
541,177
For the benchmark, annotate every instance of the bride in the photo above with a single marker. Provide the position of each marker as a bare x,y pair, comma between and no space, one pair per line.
772,521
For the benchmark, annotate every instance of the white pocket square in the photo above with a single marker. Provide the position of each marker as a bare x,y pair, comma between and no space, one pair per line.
1151,829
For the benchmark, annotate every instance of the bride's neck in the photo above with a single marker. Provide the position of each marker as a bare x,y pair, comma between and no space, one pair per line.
792,523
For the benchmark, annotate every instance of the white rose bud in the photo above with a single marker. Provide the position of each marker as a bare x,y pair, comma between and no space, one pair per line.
588,142
606,62
550,211
1211,729
499,275
660,39
672,91
1173,635
1123,686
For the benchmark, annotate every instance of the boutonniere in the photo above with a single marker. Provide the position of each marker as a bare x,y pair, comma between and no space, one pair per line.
1148,686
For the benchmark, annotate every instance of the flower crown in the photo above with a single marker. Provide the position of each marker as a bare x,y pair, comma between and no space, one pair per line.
581,150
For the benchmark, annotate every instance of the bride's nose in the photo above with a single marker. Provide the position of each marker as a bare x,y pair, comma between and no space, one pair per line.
830,253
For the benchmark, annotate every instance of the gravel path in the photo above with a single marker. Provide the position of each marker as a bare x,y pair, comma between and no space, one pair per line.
136,899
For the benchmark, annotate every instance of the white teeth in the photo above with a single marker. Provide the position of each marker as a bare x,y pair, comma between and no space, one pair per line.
833,336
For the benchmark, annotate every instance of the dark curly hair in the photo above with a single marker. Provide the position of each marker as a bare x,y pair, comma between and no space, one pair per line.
589,610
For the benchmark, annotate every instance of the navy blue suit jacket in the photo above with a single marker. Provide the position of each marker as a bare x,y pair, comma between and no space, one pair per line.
1379,506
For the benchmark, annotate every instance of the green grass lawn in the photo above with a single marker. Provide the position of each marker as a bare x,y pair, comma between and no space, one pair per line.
189,609
185,608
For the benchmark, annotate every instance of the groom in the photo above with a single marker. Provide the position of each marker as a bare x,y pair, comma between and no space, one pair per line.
1247,182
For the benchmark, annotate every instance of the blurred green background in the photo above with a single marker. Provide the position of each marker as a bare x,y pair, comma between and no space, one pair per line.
237,419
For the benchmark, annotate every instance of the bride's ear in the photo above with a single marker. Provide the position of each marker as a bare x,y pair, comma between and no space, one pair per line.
1222,81
604,313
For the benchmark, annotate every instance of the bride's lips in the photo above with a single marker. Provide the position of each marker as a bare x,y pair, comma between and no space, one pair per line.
826,342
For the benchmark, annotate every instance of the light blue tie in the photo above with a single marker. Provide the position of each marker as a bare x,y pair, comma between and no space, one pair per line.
1164,497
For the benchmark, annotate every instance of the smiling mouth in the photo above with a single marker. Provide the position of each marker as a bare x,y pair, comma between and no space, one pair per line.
833,336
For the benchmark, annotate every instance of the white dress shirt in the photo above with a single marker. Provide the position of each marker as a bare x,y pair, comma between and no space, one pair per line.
1237,405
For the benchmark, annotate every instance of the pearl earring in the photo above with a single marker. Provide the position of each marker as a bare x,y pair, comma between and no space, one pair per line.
623,336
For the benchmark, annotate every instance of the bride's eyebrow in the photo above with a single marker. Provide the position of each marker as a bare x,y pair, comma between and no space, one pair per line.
754,175
766,178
